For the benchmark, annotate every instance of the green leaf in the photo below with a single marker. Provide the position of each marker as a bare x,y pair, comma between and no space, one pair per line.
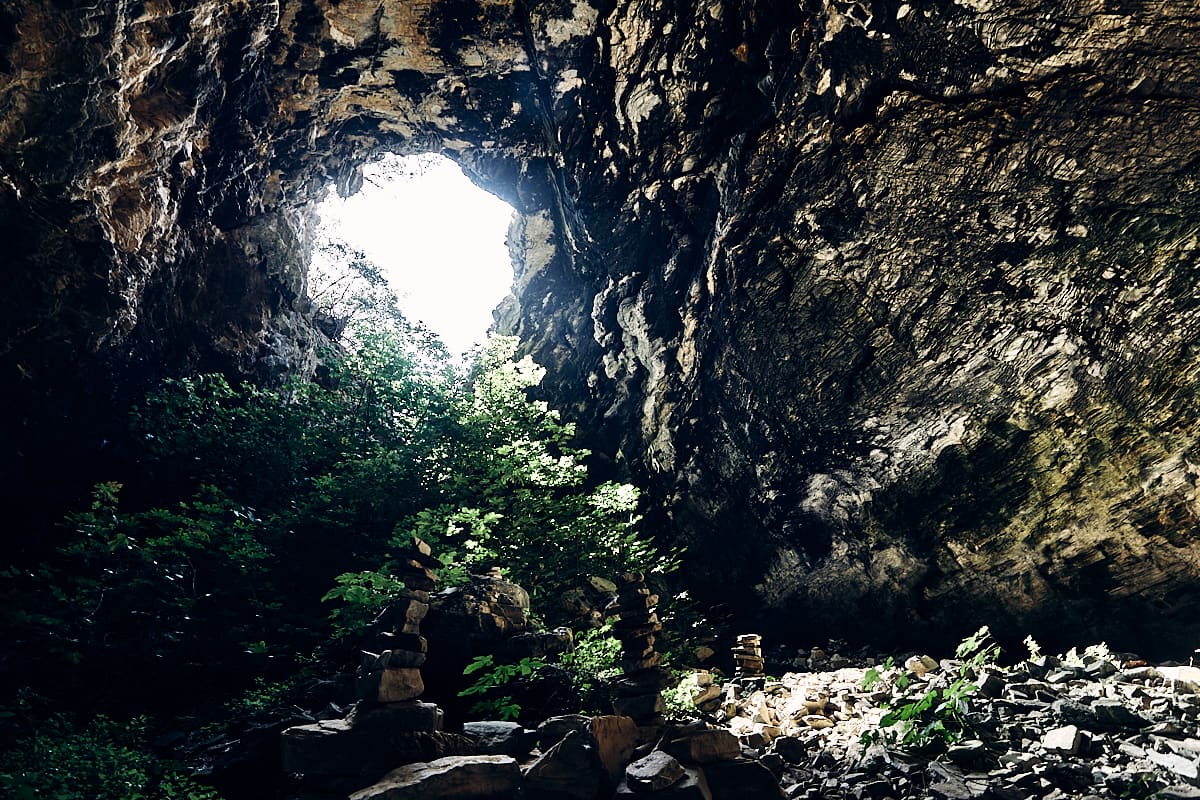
480,662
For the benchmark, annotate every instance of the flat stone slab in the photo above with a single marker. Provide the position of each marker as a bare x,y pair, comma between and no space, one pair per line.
450,778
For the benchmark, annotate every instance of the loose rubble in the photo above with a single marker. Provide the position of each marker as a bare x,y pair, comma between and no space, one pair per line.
1091,726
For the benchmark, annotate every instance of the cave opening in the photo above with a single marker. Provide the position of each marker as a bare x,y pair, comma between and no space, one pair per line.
421,230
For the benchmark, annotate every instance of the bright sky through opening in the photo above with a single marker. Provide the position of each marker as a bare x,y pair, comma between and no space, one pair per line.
437,237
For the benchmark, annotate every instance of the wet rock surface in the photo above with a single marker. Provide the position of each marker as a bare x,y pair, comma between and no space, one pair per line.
899,293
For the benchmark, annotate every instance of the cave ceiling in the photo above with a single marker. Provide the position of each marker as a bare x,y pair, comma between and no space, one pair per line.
891,306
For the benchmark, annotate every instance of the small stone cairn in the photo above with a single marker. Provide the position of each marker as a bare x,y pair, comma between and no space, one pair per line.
391,668
747,653
389,725
639,691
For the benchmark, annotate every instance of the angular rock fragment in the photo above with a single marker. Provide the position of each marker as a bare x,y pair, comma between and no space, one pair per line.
495,737
654,772
1068,739
571,769
450,778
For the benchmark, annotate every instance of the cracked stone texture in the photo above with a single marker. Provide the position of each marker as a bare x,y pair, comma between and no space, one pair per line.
891,305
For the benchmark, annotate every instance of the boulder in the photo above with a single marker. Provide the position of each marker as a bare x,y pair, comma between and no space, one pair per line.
333,748
552,730
370,741
615,738
485,611
692,786
451,778
701,746
654,772
495,738
741,779
570,770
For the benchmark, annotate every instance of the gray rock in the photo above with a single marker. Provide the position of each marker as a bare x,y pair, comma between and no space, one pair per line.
570,770
654,772
1109,714
701,746
791,748
551,731
1068,739
692,786
451,778
773,762
742,779
495,737
370,741
1178,765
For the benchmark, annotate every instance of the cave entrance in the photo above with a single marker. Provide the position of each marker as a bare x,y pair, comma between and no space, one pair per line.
435,237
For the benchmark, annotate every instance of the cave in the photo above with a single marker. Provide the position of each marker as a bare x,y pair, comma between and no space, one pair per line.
890,307
421,231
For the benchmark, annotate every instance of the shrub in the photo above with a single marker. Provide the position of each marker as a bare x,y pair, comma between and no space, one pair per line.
100,760
937,714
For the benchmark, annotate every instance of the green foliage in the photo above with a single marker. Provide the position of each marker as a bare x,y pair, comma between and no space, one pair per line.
256,503
678,698
938,713
875,675
100,760
492,676
591,663
511,491
137,586
362,596
263,699
515,491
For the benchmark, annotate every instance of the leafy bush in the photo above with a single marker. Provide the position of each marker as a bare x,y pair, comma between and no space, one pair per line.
579,678
362,596
937,714
593,661
279,491
492,677
100,760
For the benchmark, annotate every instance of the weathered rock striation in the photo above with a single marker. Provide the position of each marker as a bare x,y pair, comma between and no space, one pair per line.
900,293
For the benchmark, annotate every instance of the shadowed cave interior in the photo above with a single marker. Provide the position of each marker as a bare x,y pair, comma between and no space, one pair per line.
838,330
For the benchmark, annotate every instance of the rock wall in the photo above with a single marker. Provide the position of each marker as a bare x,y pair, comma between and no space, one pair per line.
890,304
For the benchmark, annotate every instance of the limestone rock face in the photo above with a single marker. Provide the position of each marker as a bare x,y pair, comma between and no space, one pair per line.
892,305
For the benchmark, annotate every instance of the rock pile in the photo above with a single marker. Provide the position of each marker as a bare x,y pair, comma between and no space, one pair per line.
391,665
1081,726
748,656
639,691
389,726
697,762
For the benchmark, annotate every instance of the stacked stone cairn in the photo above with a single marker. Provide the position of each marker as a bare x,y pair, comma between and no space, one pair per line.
391,666
639,691
748,656
389,725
